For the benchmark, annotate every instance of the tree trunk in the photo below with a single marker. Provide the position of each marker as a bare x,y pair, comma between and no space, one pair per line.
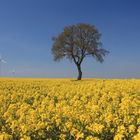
79,72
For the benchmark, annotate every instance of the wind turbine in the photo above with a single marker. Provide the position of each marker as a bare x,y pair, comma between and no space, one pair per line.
13,72
1,61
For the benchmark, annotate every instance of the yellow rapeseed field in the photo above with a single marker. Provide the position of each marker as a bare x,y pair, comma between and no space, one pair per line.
65,109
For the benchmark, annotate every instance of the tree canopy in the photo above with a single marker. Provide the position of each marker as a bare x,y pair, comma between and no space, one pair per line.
76,42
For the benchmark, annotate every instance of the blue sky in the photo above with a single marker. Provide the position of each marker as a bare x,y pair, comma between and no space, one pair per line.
27,28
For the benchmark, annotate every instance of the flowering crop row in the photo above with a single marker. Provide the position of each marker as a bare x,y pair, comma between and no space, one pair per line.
64,109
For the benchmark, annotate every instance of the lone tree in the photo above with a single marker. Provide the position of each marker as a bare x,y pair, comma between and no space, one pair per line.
76,42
